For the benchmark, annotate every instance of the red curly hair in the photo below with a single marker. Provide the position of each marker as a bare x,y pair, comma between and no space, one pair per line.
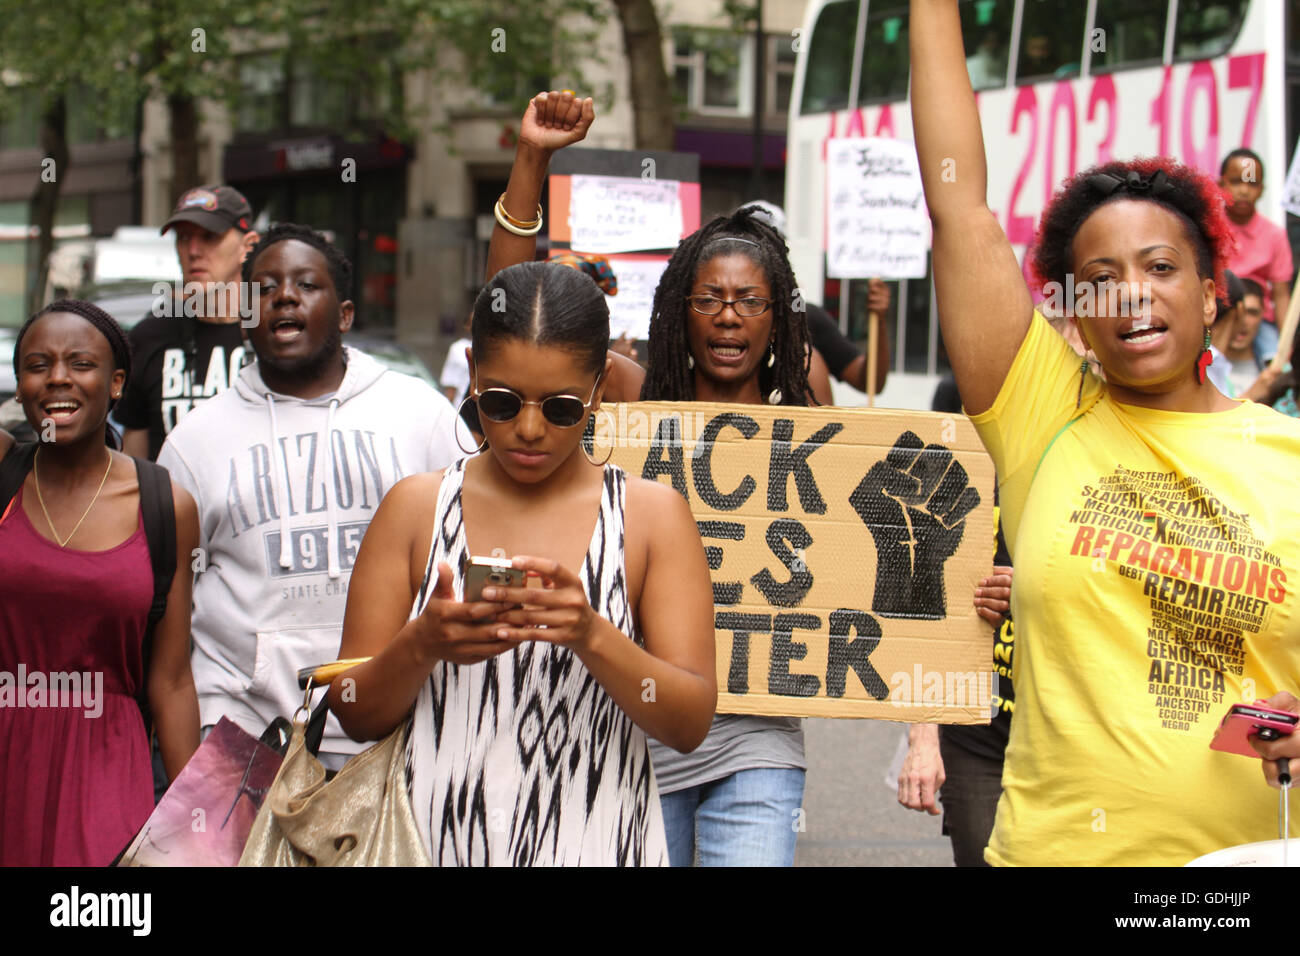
1193,197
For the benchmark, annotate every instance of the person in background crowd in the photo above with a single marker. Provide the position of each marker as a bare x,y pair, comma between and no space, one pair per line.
287,468
1243,366
196,347
841,357
537,708
75,779
1278,389
723,329
987,66
967,771
1227,319
454,378
1262,253
1117,497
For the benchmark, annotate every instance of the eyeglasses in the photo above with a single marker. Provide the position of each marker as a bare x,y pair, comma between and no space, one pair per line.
747,307
501,405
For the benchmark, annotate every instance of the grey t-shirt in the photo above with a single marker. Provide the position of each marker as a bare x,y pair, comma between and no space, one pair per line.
735,742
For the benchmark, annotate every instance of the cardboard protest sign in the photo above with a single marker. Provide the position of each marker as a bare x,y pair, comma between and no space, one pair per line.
844,545
876,222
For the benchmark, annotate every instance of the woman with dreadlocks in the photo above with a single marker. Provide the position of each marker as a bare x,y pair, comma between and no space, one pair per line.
77,582
1152,520
724,329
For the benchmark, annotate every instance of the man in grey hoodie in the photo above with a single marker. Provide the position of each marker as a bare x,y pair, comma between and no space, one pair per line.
287,467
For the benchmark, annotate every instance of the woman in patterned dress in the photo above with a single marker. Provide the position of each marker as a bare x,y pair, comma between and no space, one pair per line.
528,740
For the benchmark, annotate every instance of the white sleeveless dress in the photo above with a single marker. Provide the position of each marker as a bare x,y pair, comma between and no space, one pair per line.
524,759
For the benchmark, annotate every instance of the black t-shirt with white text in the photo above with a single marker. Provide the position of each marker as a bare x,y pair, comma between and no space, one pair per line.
163,386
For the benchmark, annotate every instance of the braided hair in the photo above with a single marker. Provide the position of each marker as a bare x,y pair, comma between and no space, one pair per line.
668,378
108,327
340,268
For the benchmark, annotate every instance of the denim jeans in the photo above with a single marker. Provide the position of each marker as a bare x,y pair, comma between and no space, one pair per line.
1266,341
750,818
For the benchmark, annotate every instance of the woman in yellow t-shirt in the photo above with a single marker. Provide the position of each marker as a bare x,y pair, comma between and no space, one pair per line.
1151,519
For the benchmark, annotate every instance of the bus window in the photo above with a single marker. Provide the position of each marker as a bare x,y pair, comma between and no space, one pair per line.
986,32
1051,40
830,58
885,60
1128,33
1206,28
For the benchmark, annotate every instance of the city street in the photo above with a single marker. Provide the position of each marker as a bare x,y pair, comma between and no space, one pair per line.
853,818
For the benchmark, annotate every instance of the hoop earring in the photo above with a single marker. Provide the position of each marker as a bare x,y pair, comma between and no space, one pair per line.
456,432
602,462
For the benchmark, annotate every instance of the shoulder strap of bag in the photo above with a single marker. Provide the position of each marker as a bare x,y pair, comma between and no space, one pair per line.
159,514
13,472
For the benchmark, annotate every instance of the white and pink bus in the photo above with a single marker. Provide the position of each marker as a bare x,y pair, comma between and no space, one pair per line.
1061,85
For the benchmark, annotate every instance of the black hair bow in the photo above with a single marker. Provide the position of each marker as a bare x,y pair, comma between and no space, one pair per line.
1155,186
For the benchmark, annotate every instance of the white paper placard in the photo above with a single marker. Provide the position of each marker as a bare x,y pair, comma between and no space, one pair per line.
1291,188
629,311
876,221
618,214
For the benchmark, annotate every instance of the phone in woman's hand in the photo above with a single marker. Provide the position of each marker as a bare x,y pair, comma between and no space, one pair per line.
490,572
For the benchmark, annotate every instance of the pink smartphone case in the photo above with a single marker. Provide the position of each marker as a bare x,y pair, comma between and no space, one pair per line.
1235,728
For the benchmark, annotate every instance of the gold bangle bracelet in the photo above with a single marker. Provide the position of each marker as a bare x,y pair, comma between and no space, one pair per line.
519,223
504,221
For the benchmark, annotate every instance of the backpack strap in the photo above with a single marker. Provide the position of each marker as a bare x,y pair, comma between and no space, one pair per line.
13,472
159,514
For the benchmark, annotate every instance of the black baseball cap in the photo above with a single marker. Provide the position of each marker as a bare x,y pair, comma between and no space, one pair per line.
215,208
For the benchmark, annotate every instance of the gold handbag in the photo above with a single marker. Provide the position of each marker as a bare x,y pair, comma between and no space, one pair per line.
362,817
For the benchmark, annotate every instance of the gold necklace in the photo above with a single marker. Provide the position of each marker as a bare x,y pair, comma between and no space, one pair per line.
39,497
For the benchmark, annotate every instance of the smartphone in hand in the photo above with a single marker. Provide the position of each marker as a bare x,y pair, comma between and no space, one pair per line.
1246,720
490,572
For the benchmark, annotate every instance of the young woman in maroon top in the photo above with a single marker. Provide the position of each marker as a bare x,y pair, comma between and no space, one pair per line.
75,775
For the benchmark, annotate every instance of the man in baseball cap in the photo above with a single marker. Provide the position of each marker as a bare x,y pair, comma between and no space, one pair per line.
214,208
192,345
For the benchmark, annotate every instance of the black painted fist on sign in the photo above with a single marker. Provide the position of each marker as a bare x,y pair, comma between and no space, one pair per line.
915,504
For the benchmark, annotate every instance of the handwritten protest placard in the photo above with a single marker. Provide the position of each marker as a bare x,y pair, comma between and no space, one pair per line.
844,545
876,223
629,310
621,214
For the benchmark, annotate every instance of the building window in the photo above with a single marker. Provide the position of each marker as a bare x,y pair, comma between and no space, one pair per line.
87,122
780,74
20,124
713,71
261,95
275,97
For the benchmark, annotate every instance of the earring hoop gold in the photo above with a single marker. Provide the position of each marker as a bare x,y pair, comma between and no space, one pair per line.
456,431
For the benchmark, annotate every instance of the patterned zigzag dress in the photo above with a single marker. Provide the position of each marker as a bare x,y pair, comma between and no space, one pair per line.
524,759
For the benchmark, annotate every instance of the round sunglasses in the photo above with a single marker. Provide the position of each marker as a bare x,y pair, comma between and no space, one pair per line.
501,405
